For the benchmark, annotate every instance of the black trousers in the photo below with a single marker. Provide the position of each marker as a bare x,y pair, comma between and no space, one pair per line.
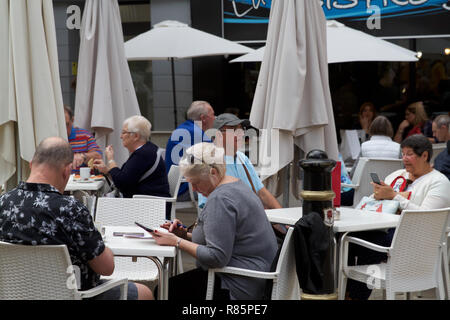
191,285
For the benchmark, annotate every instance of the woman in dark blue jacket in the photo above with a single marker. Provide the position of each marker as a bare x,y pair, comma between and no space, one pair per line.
144,172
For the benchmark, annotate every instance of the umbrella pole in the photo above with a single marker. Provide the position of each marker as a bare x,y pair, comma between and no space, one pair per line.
18,159
174,93
286,193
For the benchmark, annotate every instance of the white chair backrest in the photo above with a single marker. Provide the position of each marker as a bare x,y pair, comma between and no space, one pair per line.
36,272
415,249
361,176
437,149
125,211
350,144
288,286
174,177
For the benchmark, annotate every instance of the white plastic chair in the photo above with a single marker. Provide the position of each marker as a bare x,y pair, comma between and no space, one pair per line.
42,273
285,281
445,251
361,178
124,212
414,257
174,177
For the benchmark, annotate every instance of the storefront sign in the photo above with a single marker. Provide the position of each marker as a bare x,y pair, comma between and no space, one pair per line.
247,20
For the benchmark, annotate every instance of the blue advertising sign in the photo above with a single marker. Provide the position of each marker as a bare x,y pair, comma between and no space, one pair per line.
247,20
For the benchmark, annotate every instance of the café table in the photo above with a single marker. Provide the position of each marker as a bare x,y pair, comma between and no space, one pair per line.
350,220
146,248
93,187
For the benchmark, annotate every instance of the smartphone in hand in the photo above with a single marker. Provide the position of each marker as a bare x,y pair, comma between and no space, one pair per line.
144,227
375,178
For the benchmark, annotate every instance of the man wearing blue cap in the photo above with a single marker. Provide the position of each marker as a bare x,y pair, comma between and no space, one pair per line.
229,136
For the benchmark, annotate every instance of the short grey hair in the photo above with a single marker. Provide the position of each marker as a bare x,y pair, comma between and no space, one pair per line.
139,125
200,158
54,152
442,120
197,109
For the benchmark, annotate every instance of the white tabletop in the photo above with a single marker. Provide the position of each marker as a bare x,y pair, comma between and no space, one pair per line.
122,246
350,219
90,185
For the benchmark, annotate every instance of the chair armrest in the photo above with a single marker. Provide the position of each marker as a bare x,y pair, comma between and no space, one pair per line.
155,197
105,287
367,244
236,271
350,185
246,272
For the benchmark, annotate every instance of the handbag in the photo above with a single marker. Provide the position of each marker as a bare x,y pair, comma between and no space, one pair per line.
385,206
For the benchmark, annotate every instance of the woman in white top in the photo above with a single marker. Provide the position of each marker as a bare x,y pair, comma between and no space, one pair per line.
417,187
380,144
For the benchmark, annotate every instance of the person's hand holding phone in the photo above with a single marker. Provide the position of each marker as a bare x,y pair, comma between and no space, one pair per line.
165,238
383,191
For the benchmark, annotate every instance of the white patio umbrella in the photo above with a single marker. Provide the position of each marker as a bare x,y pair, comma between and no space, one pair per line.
346,44
30,89
292,99
169,40
105,94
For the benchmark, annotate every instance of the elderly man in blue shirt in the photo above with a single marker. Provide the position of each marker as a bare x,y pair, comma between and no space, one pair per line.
200,117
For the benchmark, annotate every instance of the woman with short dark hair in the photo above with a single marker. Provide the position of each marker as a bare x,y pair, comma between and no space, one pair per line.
424,187
417,187
380,144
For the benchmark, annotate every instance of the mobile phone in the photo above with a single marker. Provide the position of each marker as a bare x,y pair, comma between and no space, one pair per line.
375,178
130,234
144,227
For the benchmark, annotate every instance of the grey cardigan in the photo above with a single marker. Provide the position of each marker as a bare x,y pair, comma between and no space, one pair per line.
233,230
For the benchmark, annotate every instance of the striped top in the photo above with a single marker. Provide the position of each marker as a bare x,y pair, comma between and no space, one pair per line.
82,141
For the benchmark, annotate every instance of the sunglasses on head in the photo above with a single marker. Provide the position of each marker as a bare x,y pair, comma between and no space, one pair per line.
192,160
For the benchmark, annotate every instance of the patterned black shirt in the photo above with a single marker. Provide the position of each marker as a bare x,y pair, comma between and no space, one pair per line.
38,214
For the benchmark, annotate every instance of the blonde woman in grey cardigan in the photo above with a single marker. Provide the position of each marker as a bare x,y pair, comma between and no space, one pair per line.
232,230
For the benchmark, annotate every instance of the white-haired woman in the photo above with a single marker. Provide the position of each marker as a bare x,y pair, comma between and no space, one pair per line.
144,172
232,230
